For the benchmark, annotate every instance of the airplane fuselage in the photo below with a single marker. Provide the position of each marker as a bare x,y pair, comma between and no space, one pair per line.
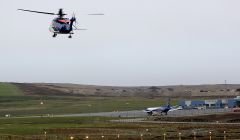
151,111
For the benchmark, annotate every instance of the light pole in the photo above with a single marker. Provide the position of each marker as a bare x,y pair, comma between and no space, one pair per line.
225,137
141,136
118,136
210,135
164,136
194,135
179,135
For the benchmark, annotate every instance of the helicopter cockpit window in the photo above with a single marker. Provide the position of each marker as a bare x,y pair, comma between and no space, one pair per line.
63,21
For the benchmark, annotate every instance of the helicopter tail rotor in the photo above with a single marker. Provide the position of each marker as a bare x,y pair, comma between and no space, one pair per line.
74,21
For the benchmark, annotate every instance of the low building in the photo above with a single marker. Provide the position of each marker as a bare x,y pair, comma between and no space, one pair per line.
237,99
216,103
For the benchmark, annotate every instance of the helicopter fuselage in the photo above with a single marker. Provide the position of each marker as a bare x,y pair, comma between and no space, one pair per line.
61,26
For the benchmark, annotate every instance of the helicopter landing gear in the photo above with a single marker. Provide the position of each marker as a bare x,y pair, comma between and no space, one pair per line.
70,36
54,35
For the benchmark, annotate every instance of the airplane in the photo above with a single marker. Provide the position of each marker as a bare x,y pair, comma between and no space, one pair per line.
162,109
61,25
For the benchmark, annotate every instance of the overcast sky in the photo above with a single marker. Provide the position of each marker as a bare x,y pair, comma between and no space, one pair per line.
137,42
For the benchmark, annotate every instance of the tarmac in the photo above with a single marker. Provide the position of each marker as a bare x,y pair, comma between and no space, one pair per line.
138,113
141,113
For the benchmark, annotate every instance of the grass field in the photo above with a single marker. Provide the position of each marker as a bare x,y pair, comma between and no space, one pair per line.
9,90
95,127
13,101
30,105
36,126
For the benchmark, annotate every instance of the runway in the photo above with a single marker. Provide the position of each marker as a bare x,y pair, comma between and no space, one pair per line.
141,113
137,114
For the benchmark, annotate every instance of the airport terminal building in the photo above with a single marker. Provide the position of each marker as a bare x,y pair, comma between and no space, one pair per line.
216,103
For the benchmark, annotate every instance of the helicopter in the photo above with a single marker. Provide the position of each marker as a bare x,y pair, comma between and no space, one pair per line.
61,25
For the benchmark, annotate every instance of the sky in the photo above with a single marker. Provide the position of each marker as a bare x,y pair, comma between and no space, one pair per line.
136,42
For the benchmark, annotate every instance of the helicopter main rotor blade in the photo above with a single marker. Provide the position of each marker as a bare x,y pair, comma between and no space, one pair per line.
38,12
81,29
78,28
99,14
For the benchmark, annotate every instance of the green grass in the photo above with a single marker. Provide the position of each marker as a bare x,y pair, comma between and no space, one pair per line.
36,126
9,90
30,105
64,127
14,102
69,125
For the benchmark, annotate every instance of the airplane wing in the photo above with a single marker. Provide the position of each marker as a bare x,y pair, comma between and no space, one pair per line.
151,109
176,108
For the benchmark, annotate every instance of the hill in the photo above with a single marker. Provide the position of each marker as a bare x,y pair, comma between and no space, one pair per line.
190,91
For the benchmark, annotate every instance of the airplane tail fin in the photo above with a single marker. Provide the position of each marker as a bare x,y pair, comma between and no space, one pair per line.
168,103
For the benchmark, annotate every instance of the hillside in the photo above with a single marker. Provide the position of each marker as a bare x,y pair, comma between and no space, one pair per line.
110,91
7,89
